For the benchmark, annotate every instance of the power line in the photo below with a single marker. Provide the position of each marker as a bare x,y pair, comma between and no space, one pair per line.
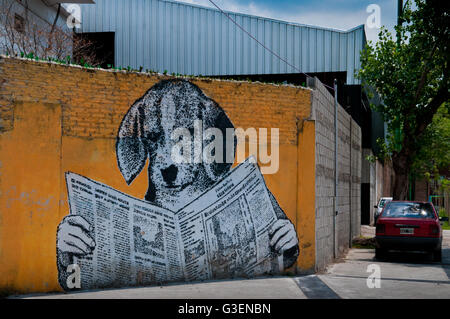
263,45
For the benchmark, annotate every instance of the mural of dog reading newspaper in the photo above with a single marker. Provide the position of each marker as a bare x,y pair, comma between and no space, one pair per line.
199,220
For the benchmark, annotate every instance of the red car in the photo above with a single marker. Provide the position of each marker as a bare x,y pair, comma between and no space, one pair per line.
405,225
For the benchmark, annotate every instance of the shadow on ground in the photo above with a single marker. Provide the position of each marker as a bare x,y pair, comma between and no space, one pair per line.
418,258
407,257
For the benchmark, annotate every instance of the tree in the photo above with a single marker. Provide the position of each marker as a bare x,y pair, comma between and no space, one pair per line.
433,155
411,75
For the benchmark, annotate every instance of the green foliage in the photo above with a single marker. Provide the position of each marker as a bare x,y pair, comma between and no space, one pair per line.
433,154
363,242
443,213
411,77
383,153
371,158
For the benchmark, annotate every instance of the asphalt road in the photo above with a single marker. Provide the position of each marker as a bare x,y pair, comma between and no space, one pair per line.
402,275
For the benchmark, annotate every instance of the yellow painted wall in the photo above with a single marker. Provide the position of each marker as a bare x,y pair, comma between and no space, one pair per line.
306,195
56,118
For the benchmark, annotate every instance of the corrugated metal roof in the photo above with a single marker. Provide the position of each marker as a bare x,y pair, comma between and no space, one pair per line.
190,39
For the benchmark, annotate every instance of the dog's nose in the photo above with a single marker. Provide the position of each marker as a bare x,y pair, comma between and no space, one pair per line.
169,174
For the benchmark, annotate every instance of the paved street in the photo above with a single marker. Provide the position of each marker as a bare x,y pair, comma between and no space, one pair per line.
403,275
406,275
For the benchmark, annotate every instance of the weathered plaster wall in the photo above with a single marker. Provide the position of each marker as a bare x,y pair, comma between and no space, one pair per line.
56,118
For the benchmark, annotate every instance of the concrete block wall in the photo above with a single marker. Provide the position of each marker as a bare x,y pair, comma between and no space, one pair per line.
324,120
334,233
356,171
343,207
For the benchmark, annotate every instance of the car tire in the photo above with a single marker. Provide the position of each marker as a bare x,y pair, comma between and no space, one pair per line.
437,255
380,253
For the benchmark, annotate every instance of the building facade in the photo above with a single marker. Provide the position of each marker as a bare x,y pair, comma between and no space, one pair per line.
189,39
27,25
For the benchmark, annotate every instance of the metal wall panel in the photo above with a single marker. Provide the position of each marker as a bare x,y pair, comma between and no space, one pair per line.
188,39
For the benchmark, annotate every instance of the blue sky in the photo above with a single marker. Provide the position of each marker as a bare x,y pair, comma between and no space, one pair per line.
338,14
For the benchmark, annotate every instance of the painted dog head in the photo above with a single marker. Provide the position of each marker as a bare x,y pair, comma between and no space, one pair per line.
146,131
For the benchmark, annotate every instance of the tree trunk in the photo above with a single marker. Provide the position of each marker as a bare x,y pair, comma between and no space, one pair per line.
400,186
401,169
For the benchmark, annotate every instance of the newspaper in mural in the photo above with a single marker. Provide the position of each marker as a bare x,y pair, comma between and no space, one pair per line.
224,233
198,220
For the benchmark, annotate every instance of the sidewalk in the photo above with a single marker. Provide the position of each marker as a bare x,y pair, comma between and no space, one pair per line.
403,276
263,288
409,276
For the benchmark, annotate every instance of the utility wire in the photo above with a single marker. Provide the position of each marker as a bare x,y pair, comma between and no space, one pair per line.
262,44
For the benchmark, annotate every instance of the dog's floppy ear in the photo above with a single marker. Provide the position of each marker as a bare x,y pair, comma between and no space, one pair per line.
216,117
131,149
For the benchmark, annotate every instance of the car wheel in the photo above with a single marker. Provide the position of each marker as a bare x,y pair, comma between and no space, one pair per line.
380,253
437,254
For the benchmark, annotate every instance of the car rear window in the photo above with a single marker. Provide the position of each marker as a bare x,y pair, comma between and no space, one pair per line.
409,210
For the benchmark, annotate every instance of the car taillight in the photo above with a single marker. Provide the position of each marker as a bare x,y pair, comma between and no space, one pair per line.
434,229
381,228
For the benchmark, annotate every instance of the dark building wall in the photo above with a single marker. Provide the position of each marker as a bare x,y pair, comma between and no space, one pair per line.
377,131
365,204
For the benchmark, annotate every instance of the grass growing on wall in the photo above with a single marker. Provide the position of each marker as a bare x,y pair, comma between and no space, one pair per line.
70,61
